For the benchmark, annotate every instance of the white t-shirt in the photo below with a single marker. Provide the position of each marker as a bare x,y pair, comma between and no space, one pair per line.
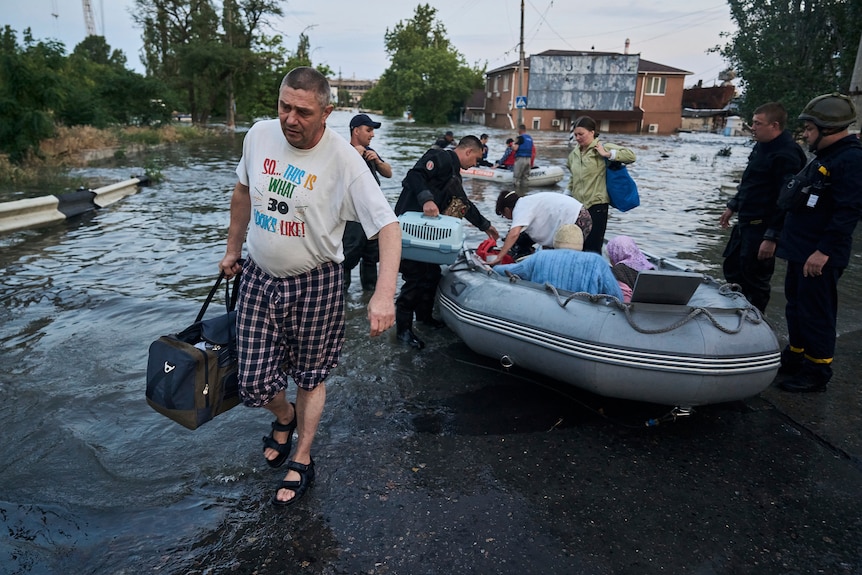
540,214
301,199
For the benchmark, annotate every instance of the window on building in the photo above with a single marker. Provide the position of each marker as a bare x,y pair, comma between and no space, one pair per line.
505,83
655,86
496,83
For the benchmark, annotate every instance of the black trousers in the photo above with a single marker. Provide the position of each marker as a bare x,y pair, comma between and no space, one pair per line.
417,293
596,240
812,311
358,247
742,267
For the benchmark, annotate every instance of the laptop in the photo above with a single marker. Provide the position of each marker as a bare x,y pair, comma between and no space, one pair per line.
665,287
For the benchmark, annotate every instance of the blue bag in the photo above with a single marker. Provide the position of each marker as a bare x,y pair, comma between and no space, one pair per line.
622,189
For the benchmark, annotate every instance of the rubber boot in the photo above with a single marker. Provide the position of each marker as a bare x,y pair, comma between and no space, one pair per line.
812,377
792,360
405,335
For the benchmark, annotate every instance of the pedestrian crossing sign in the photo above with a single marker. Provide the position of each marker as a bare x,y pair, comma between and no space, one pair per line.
520,101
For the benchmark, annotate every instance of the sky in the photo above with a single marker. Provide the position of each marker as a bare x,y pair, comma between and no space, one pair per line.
348,35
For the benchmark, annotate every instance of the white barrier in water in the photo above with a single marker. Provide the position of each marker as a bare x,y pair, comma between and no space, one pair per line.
32,212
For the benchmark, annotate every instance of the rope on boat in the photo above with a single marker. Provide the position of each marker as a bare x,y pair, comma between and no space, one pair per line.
749,313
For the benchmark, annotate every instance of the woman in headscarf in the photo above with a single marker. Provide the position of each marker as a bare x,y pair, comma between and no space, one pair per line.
626,261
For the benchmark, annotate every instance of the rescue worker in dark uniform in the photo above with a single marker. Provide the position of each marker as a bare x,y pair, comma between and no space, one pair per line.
433,186
823,203
749,257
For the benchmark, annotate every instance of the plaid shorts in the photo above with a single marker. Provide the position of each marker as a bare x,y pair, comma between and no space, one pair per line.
287,327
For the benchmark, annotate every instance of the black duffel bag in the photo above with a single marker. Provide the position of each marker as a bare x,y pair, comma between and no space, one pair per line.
191,375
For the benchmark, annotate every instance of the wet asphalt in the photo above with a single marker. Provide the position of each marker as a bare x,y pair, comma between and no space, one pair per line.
439,461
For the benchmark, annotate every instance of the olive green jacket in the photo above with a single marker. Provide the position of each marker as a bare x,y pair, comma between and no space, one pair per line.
587,184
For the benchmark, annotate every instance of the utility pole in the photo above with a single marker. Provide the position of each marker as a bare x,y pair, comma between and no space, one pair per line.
230,121
856,87
521,68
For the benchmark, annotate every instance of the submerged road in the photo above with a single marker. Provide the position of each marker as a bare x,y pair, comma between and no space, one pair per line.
452,465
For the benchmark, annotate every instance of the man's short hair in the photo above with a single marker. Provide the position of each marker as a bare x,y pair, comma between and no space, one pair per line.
470,142
307,78
506,200
774,112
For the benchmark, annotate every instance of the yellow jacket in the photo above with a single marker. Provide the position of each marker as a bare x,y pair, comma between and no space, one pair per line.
587,184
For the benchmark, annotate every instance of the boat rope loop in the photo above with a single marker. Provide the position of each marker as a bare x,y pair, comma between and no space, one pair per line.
695,311
749,312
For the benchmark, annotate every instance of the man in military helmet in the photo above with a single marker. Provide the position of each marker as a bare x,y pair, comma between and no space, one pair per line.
824,202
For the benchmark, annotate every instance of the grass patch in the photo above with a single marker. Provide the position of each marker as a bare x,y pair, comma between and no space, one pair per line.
68,148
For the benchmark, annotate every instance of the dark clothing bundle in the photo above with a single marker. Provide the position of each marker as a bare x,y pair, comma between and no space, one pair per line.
436,177
770,165
625,274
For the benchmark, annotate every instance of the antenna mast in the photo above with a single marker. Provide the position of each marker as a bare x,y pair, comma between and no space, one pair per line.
89,21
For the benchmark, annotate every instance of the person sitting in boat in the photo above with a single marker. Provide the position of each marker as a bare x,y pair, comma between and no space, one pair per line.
484,159
627,260
536,218
508,159
566,267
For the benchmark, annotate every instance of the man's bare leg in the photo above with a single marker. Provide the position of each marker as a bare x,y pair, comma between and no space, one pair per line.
309,410
284,413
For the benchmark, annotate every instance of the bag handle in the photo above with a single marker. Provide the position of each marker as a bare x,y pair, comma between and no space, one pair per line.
230,295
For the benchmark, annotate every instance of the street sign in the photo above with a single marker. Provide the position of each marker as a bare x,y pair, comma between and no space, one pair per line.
520,101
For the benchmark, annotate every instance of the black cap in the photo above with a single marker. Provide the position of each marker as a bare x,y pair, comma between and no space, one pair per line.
449,133
363,120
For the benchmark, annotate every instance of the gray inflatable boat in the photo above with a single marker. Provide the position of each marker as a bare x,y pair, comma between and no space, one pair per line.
711,346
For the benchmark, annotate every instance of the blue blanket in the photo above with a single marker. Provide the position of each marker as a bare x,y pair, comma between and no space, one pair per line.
567,269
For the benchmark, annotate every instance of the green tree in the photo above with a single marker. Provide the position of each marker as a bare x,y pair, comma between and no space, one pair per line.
260,93
792,50
426,74
201,52
100,90
343,100
30,88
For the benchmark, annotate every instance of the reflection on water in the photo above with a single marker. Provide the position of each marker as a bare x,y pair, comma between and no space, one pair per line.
95,481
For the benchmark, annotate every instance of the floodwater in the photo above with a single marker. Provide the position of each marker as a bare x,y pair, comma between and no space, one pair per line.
428,462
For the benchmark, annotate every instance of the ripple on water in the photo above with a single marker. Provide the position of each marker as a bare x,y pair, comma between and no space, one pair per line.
106,484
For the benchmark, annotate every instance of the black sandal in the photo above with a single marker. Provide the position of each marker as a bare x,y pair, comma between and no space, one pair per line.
306,480
283,448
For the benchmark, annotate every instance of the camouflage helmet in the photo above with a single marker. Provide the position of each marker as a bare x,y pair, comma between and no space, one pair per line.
830,111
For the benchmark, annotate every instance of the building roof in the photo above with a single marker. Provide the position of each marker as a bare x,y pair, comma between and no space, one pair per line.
644,66
710,98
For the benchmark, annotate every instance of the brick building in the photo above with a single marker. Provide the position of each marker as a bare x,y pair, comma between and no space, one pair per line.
622,92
